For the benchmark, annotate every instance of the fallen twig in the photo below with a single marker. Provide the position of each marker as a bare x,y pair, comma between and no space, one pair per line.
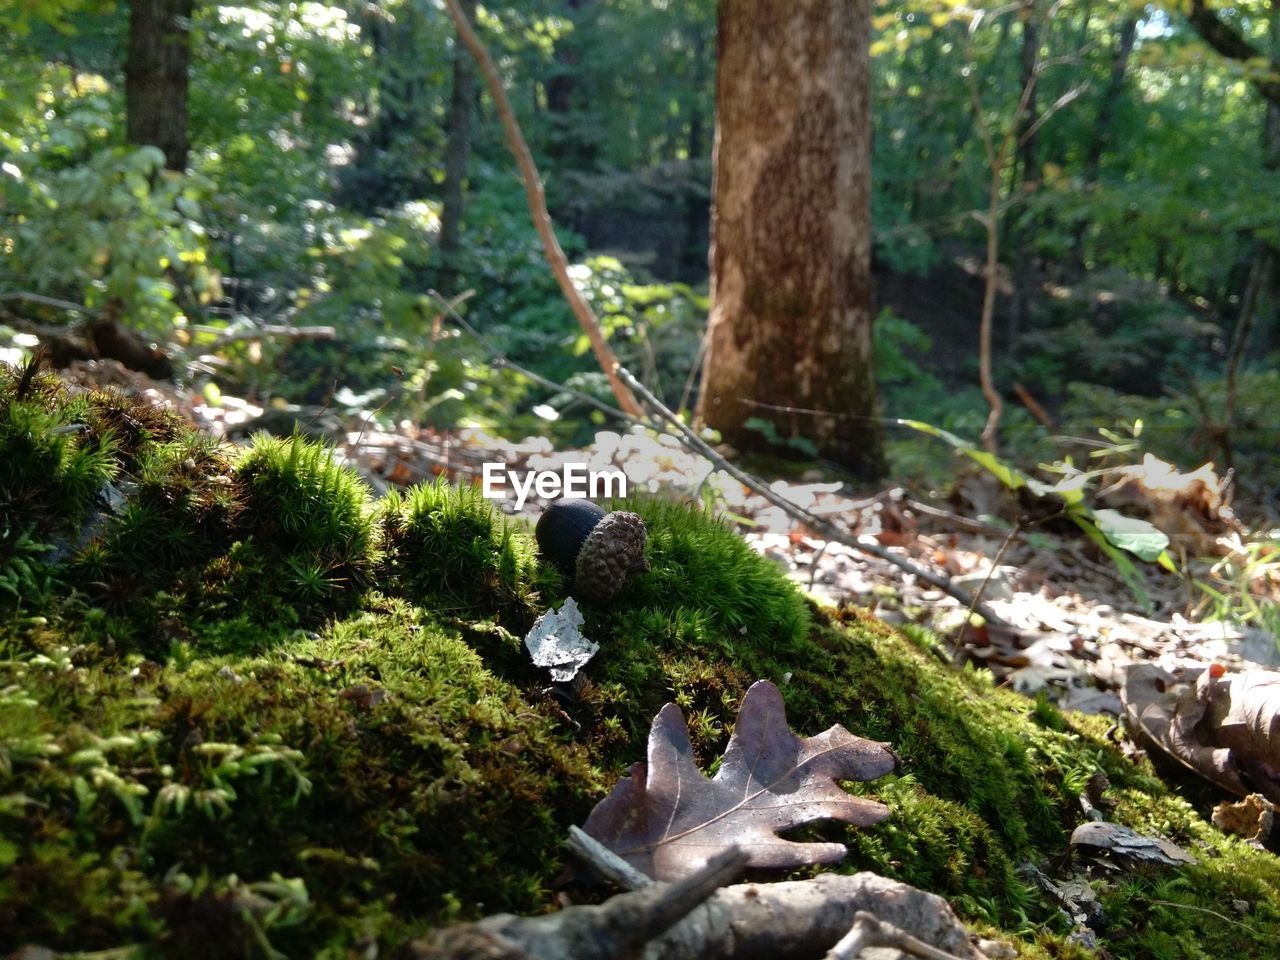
870,931
947,518
692,920
603,862
619,927
821,526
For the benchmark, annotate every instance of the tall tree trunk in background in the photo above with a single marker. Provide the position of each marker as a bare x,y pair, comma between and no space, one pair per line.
791,229
457,150
1100,136
1265,259
697,206
1023,264
155,71
565,96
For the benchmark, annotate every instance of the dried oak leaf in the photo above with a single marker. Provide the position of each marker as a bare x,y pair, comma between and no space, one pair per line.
1224,727
667,819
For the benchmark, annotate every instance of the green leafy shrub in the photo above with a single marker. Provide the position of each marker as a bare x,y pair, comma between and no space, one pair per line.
110,226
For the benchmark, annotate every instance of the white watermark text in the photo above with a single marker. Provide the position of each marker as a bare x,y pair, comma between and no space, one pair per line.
572,480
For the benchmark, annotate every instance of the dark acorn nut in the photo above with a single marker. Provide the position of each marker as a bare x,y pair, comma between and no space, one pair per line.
600,551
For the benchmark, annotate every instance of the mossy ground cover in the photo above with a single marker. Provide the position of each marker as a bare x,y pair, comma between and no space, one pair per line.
250,710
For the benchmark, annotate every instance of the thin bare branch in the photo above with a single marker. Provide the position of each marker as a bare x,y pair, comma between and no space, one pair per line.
820,525
538,209
43,300
870,931
1054,107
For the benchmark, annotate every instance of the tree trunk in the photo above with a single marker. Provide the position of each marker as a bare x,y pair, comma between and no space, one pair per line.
790,337
1100,135
457,150
568,145
155,88
1023,263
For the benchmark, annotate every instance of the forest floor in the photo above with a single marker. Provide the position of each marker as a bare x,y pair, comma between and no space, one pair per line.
426,773
1075,622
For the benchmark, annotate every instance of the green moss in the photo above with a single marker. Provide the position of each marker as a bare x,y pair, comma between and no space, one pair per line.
195,769
448,543
51,462
311,515
360,762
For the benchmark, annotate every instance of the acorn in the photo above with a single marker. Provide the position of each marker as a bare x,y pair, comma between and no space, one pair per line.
600,551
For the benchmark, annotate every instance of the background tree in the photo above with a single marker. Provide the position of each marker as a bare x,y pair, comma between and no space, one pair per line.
457,148
156,69
791,230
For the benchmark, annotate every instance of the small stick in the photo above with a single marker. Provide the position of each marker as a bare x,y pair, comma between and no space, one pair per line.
44,301
606,864
982,587
870,931
1034,408
948,518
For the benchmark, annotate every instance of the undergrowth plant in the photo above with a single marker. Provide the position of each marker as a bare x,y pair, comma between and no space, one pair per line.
1116,535
1242,587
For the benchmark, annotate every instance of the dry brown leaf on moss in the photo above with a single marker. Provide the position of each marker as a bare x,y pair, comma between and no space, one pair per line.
1226,727
667,819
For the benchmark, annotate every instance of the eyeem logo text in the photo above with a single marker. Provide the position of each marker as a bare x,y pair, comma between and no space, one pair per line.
573,480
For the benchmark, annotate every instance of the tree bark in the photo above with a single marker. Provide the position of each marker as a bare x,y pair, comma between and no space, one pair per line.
1230,43
155,88
790,332
1023,262
1101,135
458,148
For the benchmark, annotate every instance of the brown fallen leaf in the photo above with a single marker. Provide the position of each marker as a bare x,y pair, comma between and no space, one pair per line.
1225,727
667,819
1253,818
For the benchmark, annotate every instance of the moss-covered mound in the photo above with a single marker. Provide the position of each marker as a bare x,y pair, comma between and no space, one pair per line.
232,763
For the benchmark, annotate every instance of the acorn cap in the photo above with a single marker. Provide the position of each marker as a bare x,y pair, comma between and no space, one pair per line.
612,554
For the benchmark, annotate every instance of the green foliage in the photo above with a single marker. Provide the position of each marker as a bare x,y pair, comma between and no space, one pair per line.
24,578
99,223
1113,331
1115,534
1238,588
